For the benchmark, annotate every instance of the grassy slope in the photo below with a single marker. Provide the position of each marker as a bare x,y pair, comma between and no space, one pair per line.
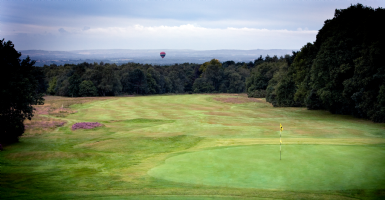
140,133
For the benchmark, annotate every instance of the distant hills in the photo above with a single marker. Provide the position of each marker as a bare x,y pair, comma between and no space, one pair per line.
152,56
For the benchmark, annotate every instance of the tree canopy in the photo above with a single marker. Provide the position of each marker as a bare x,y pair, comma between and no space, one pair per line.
22,85
342,71
134,78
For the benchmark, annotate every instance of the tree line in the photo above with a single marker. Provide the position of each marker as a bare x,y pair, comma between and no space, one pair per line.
343,71
104,79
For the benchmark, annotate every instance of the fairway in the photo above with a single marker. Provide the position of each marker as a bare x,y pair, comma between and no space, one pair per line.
214,146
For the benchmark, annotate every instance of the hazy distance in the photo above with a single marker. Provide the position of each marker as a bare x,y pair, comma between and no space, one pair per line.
150,56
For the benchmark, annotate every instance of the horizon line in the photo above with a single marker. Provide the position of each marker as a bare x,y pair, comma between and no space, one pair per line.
158,49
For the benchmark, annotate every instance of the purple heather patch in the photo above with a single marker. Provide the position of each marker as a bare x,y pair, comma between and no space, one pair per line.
86,125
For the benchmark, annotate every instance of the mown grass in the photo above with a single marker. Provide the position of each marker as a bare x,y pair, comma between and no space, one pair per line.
303,167
144,135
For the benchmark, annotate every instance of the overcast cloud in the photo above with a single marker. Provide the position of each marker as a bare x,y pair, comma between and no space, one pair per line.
166,24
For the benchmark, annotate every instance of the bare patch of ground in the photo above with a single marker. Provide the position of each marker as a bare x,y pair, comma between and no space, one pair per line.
44,155
39,125
238,99
53,106
222,114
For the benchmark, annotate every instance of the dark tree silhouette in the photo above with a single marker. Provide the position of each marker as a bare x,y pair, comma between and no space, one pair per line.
19,88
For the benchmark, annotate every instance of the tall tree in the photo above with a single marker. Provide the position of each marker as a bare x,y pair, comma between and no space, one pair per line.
52,86
351,47
212,72
87,89
110,83
153,81
18,88
342,72
138,81
74,82
260,76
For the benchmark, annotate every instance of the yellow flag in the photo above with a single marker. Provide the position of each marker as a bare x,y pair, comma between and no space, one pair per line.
280,141
281,127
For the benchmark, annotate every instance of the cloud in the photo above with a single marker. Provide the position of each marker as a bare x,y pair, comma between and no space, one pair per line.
176,24
62,31
189,30
187,36
193,32
190,36
300,29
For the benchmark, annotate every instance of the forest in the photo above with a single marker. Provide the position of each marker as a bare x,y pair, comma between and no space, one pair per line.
101,79
342,71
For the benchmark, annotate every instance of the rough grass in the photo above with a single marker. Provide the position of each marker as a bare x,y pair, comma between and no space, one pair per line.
142,133
47,117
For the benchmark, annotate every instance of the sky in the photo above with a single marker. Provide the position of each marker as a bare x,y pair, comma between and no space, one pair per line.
65,25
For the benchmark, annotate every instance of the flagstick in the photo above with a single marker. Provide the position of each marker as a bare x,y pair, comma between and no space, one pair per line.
280,143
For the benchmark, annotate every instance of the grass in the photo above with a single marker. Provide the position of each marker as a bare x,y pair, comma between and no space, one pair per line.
303,167
193,147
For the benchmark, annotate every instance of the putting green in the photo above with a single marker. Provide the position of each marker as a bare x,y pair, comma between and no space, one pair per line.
178,197
303,167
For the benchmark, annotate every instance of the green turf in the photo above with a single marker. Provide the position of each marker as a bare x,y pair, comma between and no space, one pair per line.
146,140
303,167
176,197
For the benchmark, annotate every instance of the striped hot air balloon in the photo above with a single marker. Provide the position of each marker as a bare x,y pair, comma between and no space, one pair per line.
162,54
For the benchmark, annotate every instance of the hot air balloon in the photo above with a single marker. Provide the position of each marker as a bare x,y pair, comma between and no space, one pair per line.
162,54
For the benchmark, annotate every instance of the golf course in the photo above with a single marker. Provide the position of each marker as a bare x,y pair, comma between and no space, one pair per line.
197,146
